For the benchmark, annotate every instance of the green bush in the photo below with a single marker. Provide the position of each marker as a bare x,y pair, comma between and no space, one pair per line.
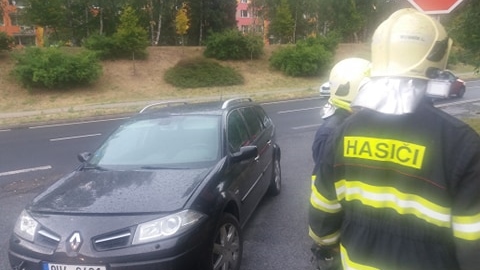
201,72
112,47
233,45
307,58
54,69
6,42
105,47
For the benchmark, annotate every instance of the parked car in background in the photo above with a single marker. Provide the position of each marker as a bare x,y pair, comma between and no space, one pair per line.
324,90
171,188
457,86
447,85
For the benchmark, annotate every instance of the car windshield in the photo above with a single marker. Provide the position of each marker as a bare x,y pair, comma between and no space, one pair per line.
166,142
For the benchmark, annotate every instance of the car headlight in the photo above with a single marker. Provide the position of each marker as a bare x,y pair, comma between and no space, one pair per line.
166,226
26,226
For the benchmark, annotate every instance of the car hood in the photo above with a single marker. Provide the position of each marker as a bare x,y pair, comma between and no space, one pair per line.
110,192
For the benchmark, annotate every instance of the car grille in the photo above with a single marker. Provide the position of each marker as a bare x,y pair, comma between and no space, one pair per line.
114,240
47,239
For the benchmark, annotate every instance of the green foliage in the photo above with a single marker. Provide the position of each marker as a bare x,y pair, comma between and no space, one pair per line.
282,25
233,45
54,69
465,30
105,47
6,42
307,58
201,72
130,37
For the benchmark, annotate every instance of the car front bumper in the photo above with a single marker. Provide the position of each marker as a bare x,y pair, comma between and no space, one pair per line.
183,252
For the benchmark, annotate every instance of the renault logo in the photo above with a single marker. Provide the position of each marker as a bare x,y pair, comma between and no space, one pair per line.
75,241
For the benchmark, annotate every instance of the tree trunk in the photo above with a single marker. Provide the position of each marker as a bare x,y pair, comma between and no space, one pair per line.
159,28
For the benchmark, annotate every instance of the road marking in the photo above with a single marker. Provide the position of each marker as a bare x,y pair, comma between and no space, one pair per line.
5,130
79,123
299,110
26,170
307,126
75,137
457,102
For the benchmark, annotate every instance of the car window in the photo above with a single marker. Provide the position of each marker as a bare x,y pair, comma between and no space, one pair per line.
162,141
237,131
267,122
255,126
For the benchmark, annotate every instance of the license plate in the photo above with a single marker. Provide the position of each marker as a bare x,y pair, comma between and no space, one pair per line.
56,266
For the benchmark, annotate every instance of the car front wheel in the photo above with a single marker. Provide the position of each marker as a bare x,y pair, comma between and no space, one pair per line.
226,253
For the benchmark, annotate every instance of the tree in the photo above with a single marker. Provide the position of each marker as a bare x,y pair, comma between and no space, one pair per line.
282,24
466,33
210,16
48,14
182,22
130,37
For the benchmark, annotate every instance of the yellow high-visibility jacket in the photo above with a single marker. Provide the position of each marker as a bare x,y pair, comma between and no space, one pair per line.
400,192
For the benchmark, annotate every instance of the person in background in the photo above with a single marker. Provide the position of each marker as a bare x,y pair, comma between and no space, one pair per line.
399,181
345,78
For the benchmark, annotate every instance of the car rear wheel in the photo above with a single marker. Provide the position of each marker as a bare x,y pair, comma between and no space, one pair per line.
276,181
226,253
461,92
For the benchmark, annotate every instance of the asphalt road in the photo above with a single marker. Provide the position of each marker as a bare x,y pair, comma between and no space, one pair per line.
275,237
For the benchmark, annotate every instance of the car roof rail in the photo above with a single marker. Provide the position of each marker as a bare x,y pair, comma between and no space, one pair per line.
164,103
228,102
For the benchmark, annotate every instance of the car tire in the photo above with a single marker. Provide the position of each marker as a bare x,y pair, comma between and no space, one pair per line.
276,182
461,92
227,245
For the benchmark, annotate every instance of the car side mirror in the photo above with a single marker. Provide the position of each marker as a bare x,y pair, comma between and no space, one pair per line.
83,157
245,152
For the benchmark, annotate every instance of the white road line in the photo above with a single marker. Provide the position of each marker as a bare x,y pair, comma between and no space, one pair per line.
78,123
75,137
26,170
5,130
298,110
308,126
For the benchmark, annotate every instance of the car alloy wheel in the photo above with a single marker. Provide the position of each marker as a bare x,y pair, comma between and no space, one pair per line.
227,246
276,182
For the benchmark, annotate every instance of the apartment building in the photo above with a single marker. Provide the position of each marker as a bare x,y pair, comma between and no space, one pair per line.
12,23
249,19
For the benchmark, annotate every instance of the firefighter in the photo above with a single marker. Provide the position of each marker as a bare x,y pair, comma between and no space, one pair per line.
399,181
345,78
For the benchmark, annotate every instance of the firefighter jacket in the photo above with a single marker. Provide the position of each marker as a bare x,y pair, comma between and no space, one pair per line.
400,192
327,127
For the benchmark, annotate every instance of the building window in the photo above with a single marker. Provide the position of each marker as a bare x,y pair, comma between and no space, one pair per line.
244,13
243,1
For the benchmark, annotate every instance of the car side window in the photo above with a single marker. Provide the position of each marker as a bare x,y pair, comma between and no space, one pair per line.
236,131
266,121
255,126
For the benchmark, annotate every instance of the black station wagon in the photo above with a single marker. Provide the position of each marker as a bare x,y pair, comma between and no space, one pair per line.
171,188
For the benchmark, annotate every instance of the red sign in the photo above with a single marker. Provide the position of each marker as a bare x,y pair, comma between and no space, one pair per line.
435,6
